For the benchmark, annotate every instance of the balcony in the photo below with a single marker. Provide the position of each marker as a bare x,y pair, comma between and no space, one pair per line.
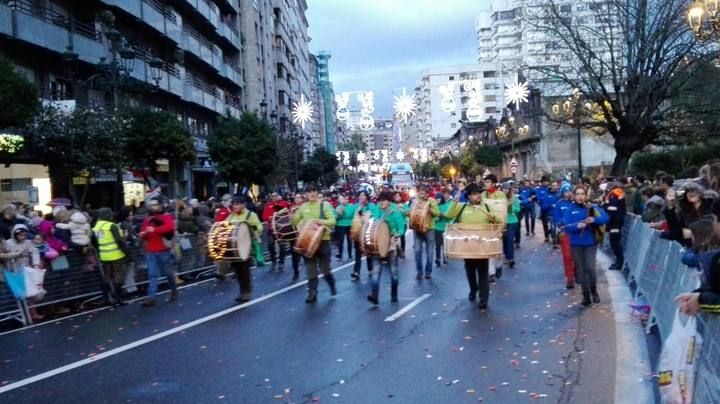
231,34
201,47
232,72
50,29
281,57
154,13
207,9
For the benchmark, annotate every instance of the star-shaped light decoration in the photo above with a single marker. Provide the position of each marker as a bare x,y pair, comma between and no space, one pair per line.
516,93
400,155
404,106
302,111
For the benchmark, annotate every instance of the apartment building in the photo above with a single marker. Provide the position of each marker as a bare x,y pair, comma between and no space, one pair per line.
327,94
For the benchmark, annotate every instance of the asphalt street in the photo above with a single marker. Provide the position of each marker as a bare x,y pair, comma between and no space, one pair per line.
534,343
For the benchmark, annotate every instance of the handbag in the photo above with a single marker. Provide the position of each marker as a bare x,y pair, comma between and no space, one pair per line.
34,283
676,367
60,263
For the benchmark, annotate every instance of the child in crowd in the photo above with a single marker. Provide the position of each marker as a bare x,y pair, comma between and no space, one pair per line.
47,253
79,227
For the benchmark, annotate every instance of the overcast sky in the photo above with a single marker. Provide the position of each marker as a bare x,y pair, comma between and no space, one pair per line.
384,45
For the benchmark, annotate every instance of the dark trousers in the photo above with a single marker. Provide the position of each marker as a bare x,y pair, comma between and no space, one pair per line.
295,257
342,234
242,273
528,214
402,243
320,262
439,244
545,219
616,245
358,260
477,276
273,250
584,258
518,232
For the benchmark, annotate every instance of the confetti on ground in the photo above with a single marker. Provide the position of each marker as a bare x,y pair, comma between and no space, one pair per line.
336,395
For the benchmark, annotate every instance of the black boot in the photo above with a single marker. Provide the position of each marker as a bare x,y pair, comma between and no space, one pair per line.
373,297
586,298
394,291
107,293
330,279
595,296
312,291
118,293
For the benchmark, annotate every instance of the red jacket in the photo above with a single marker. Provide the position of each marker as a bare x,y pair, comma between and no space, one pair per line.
270,209
154,241
221,214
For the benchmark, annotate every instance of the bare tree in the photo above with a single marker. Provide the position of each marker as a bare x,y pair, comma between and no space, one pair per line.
632,58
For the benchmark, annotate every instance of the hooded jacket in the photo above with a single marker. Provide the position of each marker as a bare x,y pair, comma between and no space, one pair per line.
28,254
79,229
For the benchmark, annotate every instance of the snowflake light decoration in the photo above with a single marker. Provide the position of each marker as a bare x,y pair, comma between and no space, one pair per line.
516,93
302,111
405,106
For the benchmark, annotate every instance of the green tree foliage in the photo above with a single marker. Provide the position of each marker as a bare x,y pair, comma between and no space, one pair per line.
243,149
355,145
152,135
673,161
488,156
18,97
321,166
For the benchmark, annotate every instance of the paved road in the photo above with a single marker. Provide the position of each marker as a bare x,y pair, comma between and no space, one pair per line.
534,343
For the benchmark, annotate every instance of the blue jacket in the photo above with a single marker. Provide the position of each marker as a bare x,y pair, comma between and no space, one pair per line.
559,212
701,261
525,194
548,200
573,216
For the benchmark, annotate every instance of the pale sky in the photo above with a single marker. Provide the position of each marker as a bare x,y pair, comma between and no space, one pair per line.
384,45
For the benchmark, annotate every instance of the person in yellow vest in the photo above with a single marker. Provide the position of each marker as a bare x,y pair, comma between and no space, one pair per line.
315,209
474,212
113,253
240,214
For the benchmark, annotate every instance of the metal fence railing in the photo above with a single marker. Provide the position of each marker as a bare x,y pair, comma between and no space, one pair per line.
655,270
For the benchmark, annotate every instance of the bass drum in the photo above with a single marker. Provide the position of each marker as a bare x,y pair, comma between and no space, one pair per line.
356,226
281,227
376,238
229,242
309,238
420,216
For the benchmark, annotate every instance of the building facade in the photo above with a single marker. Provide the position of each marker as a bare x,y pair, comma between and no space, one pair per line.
327,94
196,59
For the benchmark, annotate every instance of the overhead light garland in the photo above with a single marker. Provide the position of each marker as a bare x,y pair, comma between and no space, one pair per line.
302,111
516,92
404,106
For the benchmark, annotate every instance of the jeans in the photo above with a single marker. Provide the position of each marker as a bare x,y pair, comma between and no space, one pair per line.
439,244
272,249
528,214
518,232
343,234
509,241
391,264
402,241
429,240
358,260
478,278
295,257
584,258
158,262
616,245
320,262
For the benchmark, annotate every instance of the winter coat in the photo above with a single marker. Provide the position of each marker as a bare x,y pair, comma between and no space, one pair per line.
575,214
163,225
29,255
79,229
47,229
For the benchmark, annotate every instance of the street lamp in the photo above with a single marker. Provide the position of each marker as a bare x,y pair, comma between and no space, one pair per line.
703,18
452,174
508,130
573,110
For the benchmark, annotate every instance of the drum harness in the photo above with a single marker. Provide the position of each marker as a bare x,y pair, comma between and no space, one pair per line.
459,216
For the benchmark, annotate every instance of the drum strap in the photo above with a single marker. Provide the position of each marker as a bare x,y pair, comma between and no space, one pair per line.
457,220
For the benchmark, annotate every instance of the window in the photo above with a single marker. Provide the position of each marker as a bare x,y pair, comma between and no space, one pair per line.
566,9
490,98
489,75
490,110
451,78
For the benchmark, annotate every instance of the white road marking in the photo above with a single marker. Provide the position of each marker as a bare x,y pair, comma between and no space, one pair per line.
152,338
404,309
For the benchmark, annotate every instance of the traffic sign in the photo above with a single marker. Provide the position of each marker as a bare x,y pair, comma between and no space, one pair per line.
513,169
513,162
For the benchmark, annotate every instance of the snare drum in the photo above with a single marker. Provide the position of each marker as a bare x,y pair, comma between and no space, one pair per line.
229,242
309,238
420,216
281,226
376,238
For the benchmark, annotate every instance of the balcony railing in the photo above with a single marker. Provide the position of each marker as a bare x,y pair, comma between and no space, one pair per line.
160,8
54,17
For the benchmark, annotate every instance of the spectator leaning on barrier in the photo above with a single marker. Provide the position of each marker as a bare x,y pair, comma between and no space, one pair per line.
684,207
8,221
113,253
22,253
580,223
707,296
157,230
224,210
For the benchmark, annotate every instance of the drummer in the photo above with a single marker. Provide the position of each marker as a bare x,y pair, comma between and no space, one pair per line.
240,214
386,210
314,209
362,206
402,207
275,205
427,238
344,212
474,212
298,200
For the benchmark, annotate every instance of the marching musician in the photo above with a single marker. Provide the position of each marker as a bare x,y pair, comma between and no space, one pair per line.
475,212
344,213
275,205
240,214
315,209
362,206
387,211
493,191
298,200
427,238
402,207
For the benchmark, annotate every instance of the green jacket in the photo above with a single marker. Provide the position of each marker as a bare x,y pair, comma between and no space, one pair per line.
404,210
368,207
345,220
252,220
392,216
513,210
471,214
311,211
434,212
442,221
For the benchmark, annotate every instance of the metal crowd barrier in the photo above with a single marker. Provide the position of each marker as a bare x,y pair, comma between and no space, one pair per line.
655,270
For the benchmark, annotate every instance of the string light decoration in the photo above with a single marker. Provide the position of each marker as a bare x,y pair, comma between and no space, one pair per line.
404,106
302,111
516,92
218,240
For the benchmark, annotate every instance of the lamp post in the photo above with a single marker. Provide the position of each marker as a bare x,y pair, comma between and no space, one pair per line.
573,110
508,130
704,18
